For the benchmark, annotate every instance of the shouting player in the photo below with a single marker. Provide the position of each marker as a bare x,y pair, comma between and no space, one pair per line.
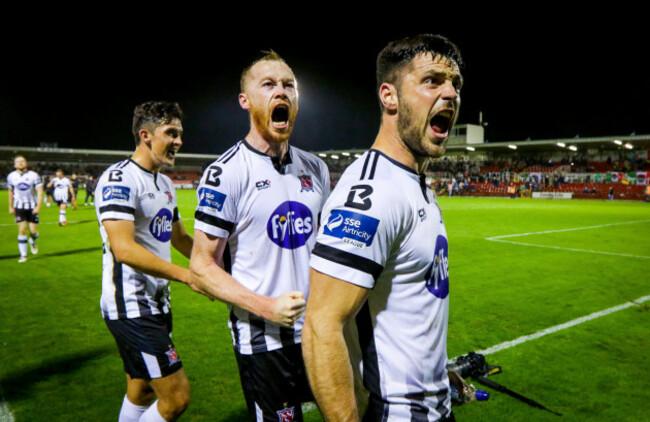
381,254
25,199
136,206
255,225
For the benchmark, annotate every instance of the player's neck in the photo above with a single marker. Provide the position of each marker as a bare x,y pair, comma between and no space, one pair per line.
270,148
144,158
389,142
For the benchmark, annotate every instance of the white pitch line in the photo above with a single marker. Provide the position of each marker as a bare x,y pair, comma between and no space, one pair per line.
499,239
566,230
556,328
570,249
5,413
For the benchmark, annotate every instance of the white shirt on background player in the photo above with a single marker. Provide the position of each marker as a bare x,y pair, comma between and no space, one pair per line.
24,188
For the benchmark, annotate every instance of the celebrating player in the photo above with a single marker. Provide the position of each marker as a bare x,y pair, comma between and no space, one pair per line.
23,184
136,206
258,208
63,193
381,253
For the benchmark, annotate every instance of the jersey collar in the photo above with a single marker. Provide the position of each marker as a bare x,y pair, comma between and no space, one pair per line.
420,177
278,165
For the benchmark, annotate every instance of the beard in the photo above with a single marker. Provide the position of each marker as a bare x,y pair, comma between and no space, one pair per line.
413,134
261,119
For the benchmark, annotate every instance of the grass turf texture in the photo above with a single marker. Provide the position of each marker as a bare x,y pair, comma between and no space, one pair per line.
60,363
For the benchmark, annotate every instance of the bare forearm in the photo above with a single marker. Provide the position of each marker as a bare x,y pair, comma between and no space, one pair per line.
330,372
214,282
143,260
184,245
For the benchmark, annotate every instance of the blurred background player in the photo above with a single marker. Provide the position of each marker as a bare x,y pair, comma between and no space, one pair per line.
25,199
138,215
63,193
91,184
258,211
381,257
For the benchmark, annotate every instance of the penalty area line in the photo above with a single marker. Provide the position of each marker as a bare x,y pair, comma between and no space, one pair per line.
556,328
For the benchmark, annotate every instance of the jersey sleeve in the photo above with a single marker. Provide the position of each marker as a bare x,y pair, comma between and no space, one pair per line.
358,231
116,196
37,180
216,211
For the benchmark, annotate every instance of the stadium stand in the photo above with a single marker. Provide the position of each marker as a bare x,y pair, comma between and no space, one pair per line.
587,172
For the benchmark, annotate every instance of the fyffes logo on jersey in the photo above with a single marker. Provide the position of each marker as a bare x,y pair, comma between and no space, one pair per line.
437,277
161,225
290,225
23,186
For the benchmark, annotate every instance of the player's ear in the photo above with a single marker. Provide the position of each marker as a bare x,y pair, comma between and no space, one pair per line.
145,136
243,101
388,96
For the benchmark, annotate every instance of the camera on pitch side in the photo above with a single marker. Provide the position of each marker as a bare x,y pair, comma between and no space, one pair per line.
470,365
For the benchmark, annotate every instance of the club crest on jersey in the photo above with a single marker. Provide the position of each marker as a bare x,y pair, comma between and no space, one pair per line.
351,227
286,414
116,193
211,199
161,225
172,356
170,197
290,225
437,276
23,186
306,184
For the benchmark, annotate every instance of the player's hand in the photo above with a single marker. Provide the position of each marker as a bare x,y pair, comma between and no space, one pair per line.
36,210
12,210
288,308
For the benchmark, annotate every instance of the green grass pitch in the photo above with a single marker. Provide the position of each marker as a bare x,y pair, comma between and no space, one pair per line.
59,362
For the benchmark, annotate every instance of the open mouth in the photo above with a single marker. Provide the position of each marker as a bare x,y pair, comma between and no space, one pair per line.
171,154
440,123
280,116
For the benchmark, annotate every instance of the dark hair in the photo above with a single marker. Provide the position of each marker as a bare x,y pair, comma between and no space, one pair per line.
267,55
152,114
399,53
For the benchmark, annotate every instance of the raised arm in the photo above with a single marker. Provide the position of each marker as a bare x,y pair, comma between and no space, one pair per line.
208,277
332,304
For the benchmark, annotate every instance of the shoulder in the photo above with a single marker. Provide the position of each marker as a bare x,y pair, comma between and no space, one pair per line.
309,160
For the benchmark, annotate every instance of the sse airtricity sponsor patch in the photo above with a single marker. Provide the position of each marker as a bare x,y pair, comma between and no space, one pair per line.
211,199
116,193
161,225
437,277
290,225
356,229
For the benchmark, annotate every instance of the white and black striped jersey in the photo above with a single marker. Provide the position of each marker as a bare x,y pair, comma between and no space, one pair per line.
126,191
269,214
24,186
383,230
61,188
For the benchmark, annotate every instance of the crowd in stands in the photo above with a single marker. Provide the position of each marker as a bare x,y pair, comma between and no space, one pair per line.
450,175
